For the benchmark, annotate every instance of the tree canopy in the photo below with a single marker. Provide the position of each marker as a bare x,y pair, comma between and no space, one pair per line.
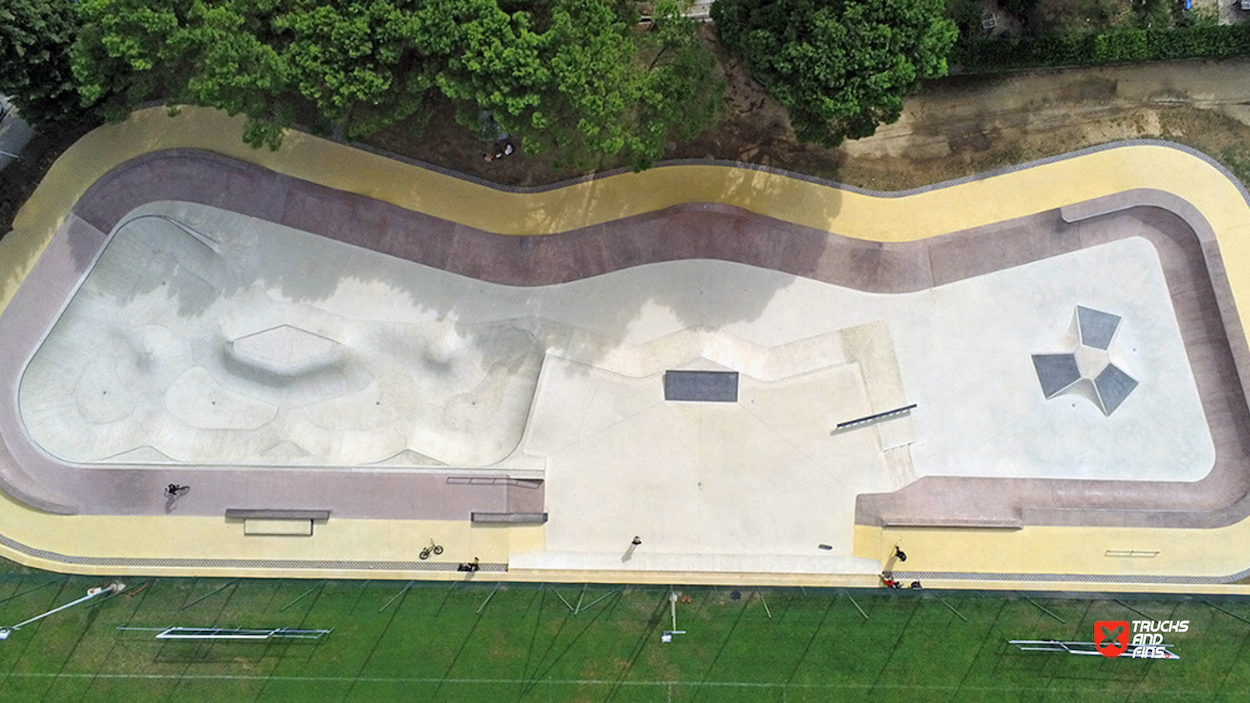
273,60
841,67
35,36
577,77
626,91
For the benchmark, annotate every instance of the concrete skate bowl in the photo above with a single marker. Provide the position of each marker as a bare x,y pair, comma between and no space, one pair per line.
179,348
291,363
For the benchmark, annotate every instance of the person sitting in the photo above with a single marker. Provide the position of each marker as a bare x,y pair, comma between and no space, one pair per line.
503,147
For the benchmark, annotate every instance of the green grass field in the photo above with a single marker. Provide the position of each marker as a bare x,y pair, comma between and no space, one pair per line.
452,643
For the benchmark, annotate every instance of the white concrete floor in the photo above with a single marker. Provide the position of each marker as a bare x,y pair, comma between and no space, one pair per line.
261,345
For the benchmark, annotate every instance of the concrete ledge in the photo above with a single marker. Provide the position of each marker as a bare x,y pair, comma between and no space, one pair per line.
958,522
275,514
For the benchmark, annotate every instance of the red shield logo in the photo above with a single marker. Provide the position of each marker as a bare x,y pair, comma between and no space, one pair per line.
1111,637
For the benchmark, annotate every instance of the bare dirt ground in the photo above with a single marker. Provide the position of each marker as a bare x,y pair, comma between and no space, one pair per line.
964,125
951,128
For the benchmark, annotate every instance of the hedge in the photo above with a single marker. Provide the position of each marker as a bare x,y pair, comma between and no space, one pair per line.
1121,46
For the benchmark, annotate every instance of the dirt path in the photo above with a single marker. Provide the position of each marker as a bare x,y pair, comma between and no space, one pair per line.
940,120
968,124
964,125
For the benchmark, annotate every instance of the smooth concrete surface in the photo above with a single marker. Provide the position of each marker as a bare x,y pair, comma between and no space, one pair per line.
247,346
204,337
976,203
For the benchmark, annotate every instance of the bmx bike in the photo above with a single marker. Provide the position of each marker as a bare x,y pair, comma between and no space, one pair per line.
434,549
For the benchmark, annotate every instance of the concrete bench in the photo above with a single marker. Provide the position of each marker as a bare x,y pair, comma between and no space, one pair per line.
509,518
277,522
275,514
987,523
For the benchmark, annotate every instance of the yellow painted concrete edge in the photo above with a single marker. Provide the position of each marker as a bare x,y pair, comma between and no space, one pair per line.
916,216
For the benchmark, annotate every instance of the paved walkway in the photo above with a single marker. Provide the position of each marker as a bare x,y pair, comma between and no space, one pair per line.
1212,209
14,134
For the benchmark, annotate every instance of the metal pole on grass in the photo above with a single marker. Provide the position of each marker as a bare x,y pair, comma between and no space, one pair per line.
492,595
115,587
852,599
302,596
402,591
580,596
1039,607
672,601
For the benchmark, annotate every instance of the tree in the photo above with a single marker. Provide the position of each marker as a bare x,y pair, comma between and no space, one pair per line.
594,69
355,62
228,62
681,91
577,78
622,91
184,52
350,64
489,60
841,67
35,36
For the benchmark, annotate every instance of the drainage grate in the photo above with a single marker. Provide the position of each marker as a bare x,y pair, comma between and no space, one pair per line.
701,386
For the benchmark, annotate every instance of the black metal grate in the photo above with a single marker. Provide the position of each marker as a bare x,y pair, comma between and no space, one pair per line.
701,386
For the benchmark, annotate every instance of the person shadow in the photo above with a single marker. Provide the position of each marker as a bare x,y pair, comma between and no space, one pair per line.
629,553
171,498
896,555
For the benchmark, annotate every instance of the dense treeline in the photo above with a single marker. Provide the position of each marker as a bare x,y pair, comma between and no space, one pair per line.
588,80
580,76
840,67
1120,46
35,36
583,78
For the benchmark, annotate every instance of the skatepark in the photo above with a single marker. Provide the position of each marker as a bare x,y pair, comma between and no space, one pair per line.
1062,371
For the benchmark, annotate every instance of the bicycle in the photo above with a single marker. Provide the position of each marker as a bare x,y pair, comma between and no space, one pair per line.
434,549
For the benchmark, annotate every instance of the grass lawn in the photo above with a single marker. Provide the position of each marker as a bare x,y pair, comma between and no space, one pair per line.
525,642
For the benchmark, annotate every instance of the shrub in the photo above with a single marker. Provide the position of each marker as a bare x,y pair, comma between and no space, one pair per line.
980,54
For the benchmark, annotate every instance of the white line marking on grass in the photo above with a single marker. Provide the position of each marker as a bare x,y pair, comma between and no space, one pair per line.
573,682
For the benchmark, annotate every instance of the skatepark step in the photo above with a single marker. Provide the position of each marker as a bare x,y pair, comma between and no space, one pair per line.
276,521
294,528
